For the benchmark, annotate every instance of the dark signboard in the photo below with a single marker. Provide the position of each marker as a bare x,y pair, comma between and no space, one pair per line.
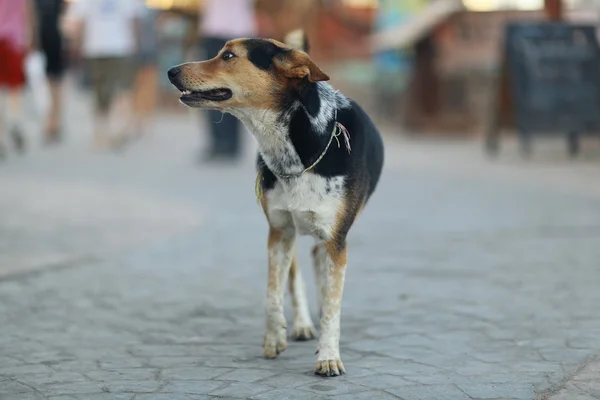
554,74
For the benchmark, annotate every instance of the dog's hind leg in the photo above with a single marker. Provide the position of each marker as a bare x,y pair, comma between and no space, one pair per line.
282,239
319,256
303,328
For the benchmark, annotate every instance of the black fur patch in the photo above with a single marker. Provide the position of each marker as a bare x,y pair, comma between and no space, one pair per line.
309,96
262,52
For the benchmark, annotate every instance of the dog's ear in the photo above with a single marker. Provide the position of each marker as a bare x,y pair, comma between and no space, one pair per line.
296,64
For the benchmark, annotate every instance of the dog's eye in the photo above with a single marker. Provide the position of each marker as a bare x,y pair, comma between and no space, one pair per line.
227,55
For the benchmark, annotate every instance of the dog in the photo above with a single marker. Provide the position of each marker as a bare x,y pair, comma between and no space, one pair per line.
320,159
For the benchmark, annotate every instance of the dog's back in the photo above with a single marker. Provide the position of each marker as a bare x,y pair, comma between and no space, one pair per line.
373,143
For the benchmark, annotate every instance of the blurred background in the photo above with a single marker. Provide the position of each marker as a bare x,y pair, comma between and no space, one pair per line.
433,71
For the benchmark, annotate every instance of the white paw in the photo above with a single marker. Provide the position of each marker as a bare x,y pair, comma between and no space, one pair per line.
274,343
330,368
302,332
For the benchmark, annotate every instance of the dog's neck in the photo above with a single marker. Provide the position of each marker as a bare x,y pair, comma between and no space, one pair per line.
292,139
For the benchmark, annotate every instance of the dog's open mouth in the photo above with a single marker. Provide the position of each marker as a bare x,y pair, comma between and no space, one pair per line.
212,95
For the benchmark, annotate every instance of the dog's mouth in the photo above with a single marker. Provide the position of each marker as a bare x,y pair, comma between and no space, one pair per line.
221,94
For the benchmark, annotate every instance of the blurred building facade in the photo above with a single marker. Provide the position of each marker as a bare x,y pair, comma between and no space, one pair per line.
447,53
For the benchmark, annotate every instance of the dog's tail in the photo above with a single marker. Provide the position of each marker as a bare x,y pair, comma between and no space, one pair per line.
297,39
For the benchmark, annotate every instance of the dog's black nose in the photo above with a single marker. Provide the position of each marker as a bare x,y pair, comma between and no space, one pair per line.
173,72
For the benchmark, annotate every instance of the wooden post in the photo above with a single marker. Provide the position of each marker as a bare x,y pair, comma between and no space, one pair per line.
554,9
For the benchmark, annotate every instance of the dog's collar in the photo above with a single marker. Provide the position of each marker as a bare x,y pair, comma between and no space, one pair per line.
338,129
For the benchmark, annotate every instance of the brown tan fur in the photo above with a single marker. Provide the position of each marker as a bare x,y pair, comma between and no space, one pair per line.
254,88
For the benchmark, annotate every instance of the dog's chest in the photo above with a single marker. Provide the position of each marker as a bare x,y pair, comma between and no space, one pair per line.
312,201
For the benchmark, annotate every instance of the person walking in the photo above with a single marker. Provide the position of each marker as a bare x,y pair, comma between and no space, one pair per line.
51,44
108,38
17,37
223,20
146,79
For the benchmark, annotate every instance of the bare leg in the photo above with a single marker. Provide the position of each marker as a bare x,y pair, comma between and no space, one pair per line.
54,116
281,252
328,360
2,122
101,139
303,328
14,117
121,116
145,99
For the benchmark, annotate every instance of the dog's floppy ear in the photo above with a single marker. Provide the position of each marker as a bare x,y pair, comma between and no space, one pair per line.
296,64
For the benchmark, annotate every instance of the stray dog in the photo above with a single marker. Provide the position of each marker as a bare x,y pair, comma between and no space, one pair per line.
320,159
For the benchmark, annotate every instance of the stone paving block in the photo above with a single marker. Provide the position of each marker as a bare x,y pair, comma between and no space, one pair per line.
121,363
28,369
246,375
57,389
171,396
173,362
287,394
289,380
437,392
193,373
380,381
591,386
96,396
240,390
122,374
192,387
9,386
570,394
331,387
138,386
9,362
368,395
55,377
499,390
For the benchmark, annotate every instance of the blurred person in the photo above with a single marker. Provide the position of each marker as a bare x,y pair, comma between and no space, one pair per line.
49,13
146,80
108,38
221,21
17,37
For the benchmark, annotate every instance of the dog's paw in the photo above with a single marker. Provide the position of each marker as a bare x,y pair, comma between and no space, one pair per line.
303,333
330,368
274,344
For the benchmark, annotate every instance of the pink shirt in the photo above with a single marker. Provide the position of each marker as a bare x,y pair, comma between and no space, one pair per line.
228,19
13,15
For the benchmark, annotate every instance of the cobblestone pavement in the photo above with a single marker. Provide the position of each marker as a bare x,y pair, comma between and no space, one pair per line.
467,279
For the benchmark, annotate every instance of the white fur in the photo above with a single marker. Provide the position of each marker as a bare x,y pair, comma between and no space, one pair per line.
302,320
313,210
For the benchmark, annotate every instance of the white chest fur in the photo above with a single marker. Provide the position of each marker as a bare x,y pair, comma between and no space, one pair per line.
312,201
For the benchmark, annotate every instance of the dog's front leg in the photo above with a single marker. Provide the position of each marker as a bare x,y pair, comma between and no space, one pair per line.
281,254
332,272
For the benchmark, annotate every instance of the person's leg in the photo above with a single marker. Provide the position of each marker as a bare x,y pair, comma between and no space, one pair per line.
228,131
3,85
146,85
54,116
15,61
101,101
122,72
223,127
2,114
52,48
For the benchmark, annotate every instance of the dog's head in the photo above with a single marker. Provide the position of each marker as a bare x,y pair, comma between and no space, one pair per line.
247,73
